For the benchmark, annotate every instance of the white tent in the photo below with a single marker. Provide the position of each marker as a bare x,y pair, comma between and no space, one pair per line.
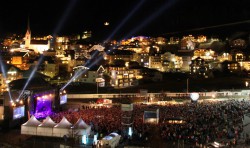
46,128
62,128
81,128
30,127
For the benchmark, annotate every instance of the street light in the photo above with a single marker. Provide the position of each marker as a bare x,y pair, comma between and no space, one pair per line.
98,80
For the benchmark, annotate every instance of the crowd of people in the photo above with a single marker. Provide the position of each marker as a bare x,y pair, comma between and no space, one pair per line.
204,122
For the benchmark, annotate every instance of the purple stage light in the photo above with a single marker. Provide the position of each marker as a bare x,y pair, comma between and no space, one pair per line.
43,106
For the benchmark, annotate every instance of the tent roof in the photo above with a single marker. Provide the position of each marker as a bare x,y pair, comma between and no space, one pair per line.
48,122
64,123
32,122
80,124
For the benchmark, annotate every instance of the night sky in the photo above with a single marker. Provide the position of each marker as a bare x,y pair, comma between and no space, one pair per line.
127,17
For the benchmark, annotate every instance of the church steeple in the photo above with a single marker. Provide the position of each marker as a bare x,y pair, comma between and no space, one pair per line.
28,35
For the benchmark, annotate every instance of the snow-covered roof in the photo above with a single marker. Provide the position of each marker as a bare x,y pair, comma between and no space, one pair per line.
64,123
32,122
48,122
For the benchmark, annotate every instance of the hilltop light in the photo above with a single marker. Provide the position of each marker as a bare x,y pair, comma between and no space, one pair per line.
106,23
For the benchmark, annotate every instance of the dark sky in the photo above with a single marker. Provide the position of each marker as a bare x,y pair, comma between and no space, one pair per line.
138,17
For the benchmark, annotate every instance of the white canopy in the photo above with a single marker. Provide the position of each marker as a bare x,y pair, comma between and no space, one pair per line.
50,128
81,128
30,127
62,128
46,128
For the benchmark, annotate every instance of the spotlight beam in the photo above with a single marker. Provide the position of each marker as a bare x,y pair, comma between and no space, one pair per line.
31,76
210,27
167,5
76,75
64,16
126,19
80,72
5,77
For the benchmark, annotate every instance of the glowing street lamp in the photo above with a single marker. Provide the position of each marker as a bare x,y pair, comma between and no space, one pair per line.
194,96
247,84
98,80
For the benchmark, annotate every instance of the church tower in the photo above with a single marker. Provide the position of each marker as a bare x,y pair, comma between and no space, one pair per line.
28,36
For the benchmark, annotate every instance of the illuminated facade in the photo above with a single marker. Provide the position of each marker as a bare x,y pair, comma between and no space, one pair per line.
20,59
171,62
50,69
62,43
39,45
204,54
238,43
12,73
225,57
246,65
230,66
116,54
155,62
201,38
89,75
86,34
199,67
121,77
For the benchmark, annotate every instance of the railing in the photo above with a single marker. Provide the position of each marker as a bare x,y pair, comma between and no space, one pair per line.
223,94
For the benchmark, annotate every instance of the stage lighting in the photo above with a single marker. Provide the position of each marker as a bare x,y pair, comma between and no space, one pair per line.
31,76
64,16
5,77
125,19
150,18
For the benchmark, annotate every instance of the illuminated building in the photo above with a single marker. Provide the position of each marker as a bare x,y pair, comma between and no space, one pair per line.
155,62
201,38
238,43
160,41
116,54
174,40
246,65
20,59
96,47
62,43
199,67
230,66
170,62
124,74
224,57
12,73
188,42
88,75
204,54
49,68
86,34
186,57
38,45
